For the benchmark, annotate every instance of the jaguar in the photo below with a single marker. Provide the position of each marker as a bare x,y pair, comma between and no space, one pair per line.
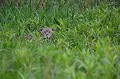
46,32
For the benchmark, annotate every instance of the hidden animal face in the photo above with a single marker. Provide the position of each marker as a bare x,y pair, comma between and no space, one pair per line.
46,32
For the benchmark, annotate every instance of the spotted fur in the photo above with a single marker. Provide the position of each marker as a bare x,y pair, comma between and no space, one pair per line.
46,32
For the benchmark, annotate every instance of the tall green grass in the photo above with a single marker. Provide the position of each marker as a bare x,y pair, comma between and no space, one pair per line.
85,43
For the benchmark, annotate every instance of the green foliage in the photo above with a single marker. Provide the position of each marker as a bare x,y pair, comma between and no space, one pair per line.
85,44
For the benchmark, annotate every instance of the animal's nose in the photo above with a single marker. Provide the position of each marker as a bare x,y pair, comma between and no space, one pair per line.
47,37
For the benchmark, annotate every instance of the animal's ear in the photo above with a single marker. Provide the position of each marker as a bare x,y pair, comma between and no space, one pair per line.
53,29
41,29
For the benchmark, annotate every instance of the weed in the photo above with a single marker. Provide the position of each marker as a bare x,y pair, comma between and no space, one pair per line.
85,43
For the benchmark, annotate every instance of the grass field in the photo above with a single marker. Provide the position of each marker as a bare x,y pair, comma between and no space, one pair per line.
85,43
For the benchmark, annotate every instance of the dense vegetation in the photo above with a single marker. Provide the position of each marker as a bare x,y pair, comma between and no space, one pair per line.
85,43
